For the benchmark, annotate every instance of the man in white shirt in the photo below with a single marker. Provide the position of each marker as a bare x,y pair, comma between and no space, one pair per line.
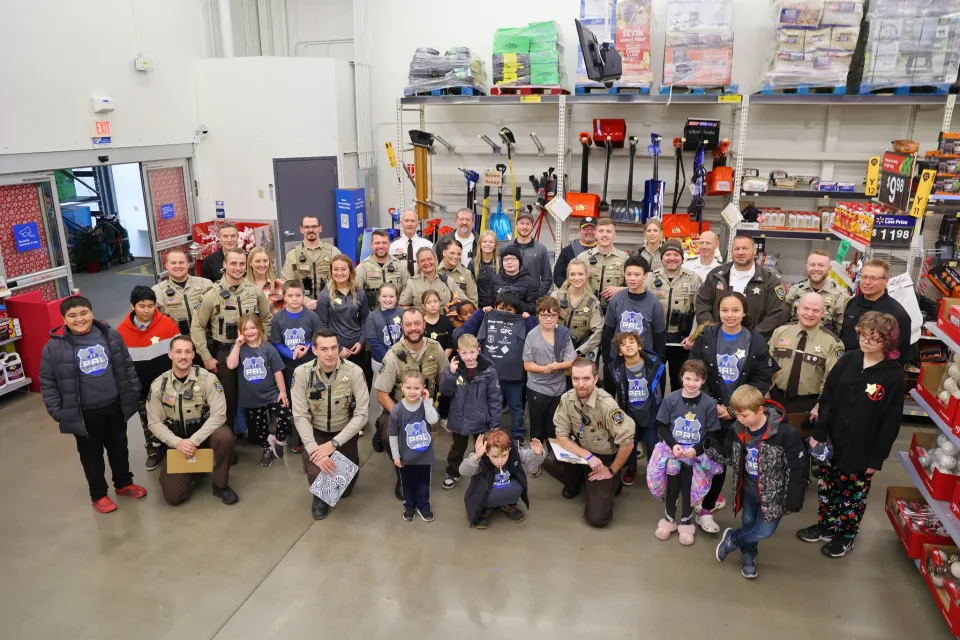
404,249
708,258
464,234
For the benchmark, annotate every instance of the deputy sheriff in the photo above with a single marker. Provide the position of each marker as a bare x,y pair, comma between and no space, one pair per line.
219,317
309,262
676,289
590,424
605,264
330,406
429,279
186,410
580,310
834,297
805,352
452,267
180,294
379,268
414,353
764,292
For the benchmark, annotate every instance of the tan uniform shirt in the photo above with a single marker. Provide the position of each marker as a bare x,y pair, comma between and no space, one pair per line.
443,284
371,275
464,279
218,312
604,270
167,401
676,296
598,425
834,300
323,402
309,266
584,319
388,380
819,355
180,303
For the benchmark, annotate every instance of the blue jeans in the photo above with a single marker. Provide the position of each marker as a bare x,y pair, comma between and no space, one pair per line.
753,527
513,394
649,437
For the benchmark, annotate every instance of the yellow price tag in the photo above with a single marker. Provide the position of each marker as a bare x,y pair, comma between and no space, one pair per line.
923,193
391,156
873,176
735,97
529,99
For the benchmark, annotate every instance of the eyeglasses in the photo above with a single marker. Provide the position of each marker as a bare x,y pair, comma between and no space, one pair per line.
549,316
312,227
872,278
868,340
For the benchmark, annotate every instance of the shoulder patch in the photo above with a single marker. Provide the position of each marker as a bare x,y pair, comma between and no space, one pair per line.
780,292
218,387
617,417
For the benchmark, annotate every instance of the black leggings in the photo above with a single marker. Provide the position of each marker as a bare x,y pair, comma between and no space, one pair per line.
258,419
541,410
678,486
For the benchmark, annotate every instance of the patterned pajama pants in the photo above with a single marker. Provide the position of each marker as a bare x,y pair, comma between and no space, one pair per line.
842,500
258,419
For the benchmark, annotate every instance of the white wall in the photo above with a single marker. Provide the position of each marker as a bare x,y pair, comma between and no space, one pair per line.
128,186
323,28
258,109
59,53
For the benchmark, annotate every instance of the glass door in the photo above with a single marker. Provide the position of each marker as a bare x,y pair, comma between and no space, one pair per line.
34,253
170,213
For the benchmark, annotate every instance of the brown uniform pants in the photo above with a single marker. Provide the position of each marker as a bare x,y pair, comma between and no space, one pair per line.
176,486
600,493
349,450
228,379
798,404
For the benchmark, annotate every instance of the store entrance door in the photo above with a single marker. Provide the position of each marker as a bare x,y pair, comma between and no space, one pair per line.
33,248
170,214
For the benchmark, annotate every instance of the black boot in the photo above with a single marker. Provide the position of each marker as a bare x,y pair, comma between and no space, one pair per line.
226,494
319,509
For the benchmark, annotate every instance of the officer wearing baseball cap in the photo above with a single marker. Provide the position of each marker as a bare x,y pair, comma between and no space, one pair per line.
587,239
676,289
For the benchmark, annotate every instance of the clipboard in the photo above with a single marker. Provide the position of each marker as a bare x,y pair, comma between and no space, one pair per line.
201,462
563,455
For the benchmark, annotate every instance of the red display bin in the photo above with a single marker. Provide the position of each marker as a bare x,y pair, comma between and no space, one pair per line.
911,540
945,318
931,373
38,318
949,608
940,485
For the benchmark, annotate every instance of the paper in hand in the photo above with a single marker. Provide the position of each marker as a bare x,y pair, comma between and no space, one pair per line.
563,455
330,488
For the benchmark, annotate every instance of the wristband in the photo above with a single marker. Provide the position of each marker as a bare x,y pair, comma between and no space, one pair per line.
588,457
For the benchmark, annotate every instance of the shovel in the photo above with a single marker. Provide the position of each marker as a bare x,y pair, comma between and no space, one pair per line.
499,222
627,210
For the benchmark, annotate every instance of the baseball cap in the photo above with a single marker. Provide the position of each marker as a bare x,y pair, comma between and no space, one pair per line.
526,214
589,221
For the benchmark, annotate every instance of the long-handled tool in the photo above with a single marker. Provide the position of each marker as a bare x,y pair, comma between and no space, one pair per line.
422,148
507,136
696,187
627,210
584,204
499,222
516,205
653,189
608,143
485,211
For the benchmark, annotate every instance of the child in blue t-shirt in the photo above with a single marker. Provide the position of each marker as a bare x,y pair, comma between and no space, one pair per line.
411,444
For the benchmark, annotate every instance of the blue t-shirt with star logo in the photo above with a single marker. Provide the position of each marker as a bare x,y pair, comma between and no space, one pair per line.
640,312
732,349
256,382
98,384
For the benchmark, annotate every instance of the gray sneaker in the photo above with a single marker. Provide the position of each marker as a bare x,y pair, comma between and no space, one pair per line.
726,546
748,567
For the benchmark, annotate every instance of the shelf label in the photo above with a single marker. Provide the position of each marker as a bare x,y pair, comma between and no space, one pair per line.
734,98
842,251
524,99
873,176
391,156
492,178
922,197
892,231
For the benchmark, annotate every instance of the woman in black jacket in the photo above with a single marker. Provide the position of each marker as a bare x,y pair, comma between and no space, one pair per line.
484,266
734,355
859,414
513,276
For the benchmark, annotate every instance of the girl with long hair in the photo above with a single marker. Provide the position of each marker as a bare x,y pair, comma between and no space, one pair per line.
484,266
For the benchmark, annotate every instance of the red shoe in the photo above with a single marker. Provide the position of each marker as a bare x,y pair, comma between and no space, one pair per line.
105,505
297,448
628,476
134,491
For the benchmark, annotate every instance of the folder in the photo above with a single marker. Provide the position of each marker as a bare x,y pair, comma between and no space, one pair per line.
201,462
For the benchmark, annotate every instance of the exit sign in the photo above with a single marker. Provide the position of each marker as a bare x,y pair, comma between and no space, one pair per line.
100,133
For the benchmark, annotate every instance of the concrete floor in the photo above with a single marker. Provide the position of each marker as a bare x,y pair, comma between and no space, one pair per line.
264,569
109,291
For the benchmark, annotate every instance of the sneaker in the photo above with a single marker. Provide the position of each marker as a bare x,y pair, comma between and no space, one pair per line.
513,513
154,458
408,514
483,521
628,476
748,567
536,474
838,547
276,446
425,514
726,546
450,481
721,503
816,533
266,458
521,441
226,495
105,505
377,441
297,448
569,494
398,491
319,509
134,491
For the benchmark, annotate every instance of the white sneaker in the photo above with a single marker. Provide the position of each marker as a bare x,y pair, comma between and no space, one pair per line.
721,503
276,446
706,522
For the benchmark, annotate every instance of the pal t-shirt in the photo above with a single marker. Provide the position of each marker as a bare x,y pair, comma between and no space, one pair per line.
504,491
98,384
750,461
732,349
256,383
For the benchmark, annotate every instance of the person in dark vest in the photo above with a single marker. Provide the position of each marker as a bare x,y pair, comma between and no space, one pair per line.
498,470
587,240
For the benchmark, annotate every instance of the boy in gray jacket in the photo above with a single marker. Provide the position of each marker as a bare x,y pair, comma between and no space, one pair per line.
411,444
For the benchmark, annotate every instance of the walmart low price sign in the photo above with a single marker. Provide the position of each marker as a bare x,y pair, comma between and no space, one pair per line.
893,232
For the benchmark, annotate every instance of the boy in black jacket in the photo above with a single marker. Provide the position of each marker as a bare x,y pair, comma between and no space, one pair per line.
498,471
769,468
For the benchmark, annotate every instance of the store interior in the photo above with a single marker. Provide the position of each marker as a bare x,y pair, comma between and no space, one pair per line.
805,125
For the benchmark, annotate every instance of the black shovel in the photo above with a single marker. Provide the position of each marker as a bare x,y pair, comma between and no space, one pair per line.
607,142
627,210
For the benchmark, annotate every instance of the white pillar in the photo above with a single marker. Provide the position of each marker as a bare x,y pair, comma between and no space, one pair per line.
226,28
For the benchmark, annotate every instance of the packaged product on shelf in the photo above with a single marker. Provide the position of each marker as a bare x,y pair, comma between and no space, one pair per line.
698,59
907,51
458,67
716,15
795,13
949,143
632,37
597,16
528,55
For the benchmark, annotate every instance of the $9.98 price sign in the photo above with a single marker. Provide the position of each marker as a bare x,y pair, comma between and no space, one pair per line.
895,180
892,231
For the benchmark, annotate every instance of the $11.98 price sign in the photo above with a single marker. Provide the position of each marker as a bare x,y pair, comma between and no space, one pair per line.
892,231
895,180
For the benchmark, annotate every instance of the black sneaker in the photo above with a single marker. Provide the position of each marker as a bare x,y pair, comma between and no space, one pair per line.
425,514
521,441
408,514
319,509
838,547
513,513
483,521
226,494
450,481
377,441
276,446
569,493
266,458
398,491
816,533
154,458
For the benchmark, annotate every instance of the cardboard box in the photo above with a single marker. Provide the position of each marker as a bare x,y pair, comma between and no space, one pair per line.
943,318
911,540
948,608
201,462
940,485
931,374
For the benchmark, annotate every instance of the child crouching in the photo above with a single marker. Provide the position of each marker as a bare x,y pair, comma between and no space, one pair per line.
498,470
769,466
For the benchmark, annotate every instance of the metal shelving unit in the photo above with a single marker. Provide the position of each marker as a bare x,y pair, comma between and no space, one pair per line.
9,340
806,193
935,330
787,235
13,386
941,508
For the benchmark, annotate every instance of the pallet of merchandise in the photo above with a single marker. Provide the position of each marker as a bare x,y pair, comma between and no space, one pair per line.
697,91
464,90
528,90
586,89
940,89
804,90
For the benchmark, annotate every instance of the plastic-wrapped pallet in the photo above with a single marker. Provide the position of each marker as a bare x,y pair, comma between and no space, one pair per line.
912,42
458,67
813,43
528,55
698,48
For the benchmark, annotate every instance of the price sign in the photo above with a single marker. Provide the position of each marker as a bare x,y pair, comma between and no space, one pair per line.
530,99
896,172
873,176
842,251
492,178
922,197
893,231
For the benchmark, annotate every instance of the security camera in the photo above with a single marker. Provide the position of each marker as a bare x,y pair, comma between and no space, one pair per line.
103,159
203,129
